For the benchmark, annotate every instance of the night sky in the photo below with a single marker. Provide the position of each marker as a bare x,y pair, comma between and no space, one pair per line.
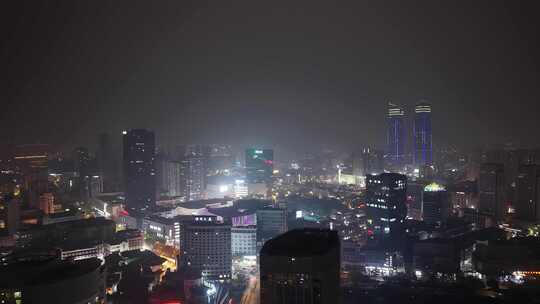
293,74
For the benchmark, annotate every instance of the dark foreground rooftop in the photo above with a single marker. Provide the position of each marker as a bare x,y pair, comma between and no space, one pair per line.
302,242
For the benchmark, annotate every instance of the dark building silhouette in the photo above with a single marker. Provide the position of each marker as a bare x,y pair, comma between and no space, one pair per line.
9,215
491,192
81,158
423,150
368,161
395,135
385,202
106,163
41,277
139,168
436,204
528,193
301,266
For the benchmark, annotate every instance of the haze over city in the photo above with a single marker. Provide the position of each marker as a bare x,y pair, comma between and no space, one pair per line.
293,75
269,152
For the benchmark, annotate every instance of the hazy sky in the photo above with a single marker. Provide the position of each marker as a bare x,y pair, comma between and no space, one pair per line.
294,74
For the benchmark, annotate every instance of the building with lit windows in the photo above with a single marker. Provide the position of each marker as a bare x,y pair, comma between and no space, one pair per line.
385,202
423,150
259,166
206,247
395,135
193,177
301,266
169,177
244,241
271,222
139,168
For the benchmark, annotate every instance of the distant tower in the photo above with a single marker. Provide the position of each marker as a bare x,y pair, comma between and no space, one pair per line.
528,193
106,163
395,134
259,165
82,165
491,191
193,175
423,150
139,168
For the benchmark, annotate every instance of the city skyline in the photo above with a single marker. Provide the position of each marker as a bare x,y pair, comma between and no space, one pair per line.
269,152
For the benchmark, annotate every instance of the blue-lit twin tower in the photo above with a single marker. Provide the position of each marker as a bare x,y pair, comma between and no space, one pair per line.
396,135
423,150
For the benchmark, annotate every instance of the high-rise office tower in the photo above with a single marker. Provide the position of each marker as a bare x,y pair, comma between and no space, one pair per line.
139,168
106,163
385,201
202,152
368,161
423,150
491,192
82,167
528,193
221,160
301,266
206,247
161,177
436,204
259,166
395,134
192,177
174,180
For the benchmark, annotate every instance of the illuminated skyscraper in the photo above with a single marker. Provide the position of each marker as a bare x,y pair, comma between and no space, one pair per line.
259,165
395,134
193,176
423,151
436,204
385,201
139,168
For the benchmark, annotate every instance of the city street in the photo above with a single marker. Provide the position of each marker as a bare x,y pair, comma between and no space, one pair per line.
251,294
